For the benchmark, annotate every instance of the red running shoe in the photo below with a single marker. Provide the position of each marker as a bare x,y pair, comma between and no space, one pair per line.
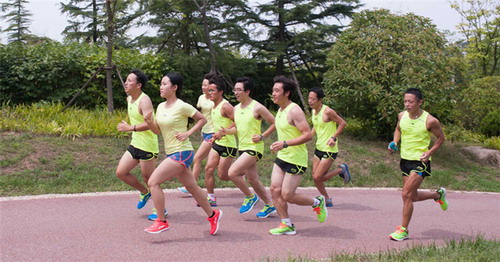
214,221
157,227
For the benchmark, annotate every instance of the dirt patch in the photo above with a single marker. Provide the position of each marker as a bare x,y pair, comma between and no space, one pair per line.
484,155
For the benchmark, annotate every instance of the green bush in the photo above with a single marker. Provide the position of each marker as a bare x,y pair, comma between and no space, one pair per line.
493,142
360,129
380,56
490,124
47,118
456,133
481,98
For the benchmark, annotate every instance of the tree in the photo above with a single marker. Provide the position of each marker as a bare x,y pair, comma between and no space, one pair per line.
299,29
481,27
379,57
19,19
88,21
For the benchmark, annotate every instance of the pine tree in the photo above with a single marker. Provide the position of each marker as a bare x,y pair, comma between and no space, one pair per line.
18,17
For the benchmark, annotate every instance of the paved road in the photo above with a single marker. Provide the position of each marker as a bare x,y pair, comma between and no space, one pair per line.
107,227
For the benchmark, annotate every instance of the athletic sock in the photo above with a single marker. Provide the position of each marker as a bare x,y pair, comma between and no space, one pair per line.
213,214
212,196
287,221
316,202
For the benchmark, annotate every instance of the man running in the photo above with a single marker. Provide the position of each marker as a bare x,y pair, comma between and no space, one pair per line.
325,121
143,149
223,145
414,128
291,161
248,115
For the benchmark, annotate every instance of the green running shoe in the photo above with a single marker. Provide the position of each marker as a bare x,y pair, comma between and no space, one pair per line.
321,209
283,229
442,198
400,234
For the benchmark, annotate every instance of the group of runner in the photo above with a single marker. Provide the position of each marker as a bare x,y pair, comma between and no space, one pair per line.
220,123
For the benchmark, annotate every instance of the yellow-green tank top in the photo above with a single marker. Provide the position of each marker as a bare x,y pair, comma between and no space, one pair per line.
247,126
415,138
296,155
220,122
143,140
324,130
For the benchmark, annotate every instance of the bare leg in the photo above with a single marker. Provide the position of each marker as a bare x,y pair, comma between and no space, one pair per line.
224,165
277,177
201,153
237,170
258,187
126,164
187,179
164,172
320,167
213,162
410,194
290,184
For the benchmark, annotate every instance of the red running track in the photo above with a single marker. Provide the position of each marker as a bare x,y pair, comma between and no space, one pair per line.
108,227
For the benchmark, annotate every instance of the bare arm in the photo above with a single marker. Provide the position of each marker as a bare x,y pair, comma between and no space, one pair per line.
200,122
434,127
145,106
397,133
333,116
269,118
151,122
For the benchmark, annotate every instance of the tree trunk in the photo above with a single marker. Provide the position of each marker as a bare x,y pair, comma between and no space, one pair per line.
208,40
109,60
280,65
94,21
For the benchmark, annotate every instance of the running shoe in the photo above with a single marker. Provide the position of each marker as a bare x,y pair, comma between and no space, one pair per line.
211,201
214,221
329,202
400,234
154,215
266,211
249,203
143,199
442,198
157,227
345,174
283,229
321,210
183,190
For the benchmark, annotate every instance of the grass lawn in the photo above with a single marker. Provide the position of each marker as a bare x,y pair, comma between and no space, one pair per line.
40,164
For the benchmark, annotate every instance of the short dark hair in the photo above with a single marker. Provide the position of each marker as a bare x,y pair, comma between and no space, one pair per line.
209,76
318,91
288,84
140,76
416,92
217,80
176,79
247,83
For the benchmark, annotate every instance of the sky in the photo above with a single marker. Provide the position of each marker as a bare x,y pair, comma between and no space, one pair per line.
48,21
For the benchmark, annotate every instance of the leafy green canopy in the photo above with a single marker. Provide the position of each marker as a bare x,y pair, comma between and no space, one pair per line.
18,18
379,57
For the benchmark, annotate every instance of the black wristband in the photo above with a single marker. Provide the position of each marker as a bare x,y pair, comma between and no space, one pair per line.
285,145
134,129
334,138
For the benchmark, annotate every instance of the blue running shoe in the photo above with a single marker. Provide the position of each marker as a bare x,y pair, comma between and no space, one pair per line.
183,190
249,203
329,202
266,211
154,215
346,175
143,199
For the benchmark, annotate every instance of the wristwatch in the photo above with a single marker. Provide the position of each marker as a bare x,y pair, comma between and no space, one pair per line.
285,145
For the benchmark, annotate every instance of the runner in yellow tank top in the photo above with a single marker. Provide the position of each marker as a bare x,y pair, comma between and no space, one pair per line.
291,161
325,121
414,128
223,145
171,121
205,106
248,115
143,149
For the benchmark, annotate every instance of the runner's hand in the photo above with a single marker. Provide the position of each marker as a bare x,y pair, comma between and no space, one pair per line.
392,147
148,117
331,142
182,136
257,138
276,146
123,126
425,156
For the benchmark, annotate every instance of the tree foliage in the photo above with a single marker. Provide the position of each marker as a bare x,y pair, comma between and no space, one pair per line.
481,27
88,20
54,72
379,57
300,29
18,17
